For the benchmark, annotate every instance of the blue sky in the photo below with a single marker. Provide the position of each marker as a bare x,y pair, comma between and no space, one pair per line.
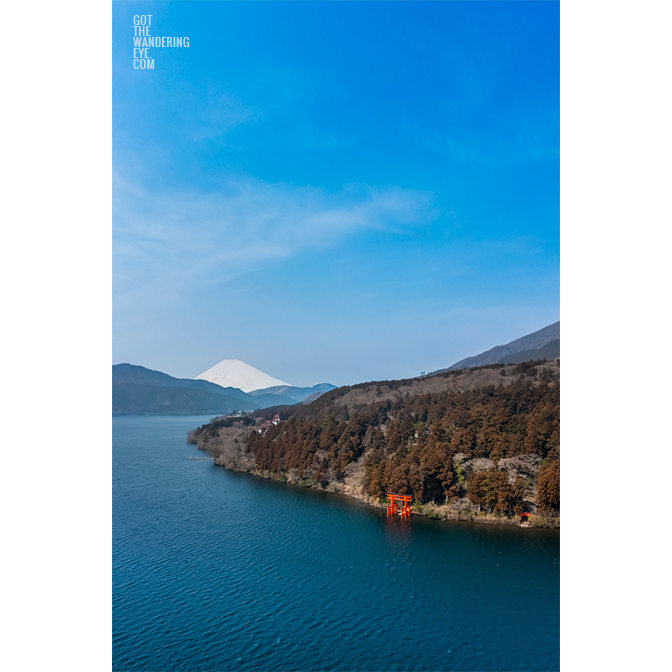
334,191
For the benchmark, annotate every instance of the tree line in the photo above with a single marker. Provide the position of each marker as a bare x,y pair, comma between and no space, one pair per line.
433,446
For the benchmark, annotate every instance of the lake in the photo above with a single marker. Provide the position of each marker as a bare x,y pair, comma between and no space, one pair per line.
214,570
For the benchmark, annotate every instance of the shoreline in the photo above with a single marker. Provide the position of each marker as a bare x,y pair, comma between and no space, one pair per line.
441,512
343,443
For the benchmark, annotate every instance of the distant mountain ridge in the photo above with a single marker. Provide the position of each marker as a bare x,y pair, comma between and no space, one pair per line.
234,373
137,390
295,393
139,375
501,354
549,351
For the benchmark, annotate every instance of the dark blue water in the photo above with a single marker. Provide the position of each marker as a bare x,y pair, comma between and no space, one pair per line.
220,571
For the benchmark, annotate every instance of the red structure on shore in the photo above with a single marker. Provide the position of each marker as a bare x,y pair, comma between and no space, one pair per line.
404,502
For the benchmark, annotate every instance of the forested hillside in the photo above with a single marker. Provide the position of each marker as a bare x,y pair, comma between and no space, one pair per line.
463,443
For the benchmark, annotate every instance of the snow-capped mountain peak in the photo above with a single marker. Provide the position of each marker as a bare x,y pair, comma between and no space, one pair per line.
234,373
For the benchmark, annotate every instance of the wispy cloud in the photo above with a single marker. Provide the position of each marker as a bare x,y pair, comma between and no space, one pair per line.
167,241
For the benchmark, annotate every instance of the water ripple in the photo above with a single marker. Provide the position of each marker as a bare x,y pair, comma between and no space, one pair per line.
221,571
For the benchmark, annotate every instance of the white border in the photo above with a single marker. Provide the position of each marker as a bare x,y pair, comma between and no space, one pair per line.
615,144
56,336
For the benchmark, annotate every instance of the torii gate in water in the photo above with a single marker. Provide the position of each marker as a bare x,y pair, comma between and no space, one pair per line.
404,502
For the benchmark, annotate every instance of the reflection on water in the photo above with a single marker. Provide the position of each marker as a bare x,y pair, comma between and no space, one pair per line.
398,530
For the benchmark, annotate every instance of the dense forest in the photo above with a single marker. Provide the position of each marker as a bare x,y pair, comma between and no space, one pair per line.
488,442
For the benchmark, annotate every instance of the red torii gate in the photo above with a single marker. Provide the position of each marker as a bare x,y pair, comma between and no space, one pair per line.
404,502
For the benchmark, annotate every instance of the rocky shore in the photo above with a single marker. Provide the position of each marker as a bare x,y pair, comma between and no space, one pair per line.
227,446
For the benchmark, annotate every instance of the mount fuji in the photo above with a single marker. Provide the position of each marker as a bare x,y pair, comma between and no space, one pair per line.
234,373
140,391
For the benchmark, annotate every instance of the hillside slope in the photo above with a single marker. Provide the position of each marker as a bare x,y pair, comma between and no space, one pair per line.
132,374
549,351
137,390
497,354
128,399
465,443
294,394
